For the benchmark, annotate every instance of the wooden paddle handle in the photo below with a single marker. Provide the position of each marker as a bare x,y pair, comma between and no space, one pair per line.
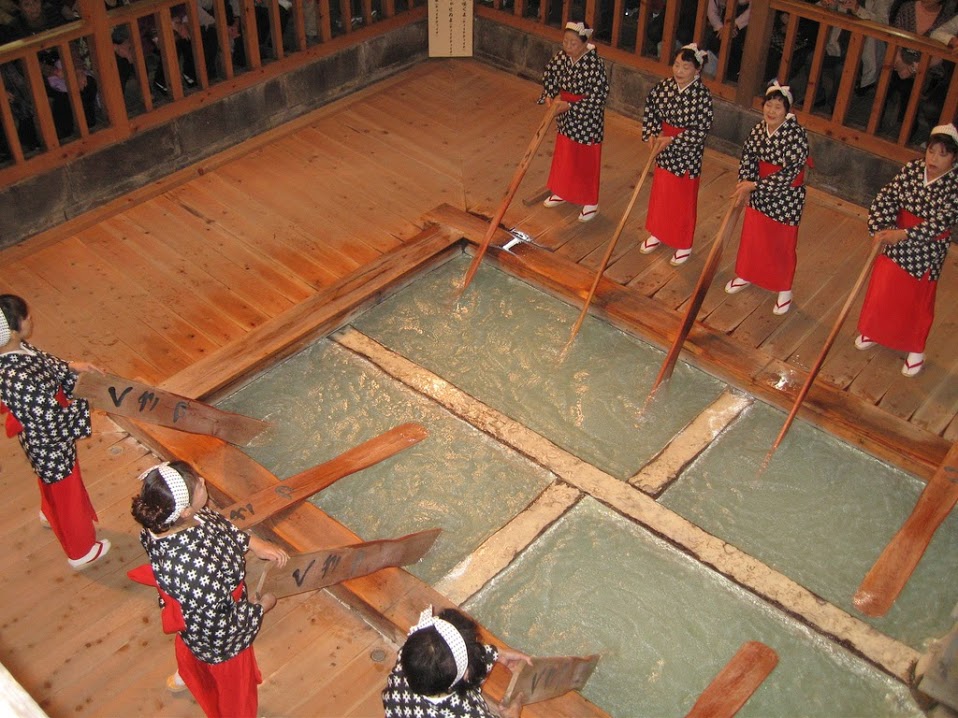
510,192
736,682
611,247
698,294
832,335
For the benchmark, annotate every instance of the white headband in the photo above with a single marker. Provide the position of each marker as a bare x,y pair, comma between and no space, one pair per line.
177,486
4,329
784,89
700,55
946,130
450,634
579,29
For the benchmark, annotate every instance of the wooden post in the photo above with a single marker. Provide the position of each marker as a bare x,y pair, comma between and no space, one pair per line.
94,12
759,37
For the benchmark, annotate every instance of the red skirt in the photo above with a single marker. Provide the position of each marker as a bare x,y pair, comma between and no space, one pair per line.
68,508
766,255
673,207
223,690
898,309
575,171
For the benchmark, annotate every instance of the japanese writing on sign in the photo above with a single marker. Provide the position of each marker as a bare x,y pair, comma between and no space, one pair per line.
450,28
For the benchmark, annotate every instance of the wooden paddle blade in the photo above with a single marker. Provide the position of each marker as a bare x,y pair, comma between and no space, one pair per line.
510,193
136,400
548,677
829,341
698,294
736,682
318,569
266,503
886,579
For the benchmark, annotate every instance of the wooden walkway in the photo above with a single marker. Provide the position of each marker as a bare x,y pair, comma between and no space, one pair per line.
150,285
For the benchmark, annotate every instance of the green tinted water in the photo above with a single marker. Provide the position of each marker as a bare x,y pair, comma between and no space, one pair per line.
597,581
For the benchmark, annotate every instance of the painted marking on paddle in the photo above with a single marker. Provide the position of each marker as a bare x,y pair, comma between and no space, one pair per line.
181,406
285,491
299,578
239,513
119,400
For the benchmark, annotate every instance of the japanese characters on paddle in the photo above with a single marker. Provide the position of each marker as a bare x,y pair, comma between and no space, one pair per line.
198,565
39,409
913,215
675,122
771,178
441,669
575,78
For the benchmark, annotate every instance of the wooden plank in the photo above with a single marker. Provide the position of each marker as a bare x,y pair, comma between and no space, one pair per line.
886,579
547,677
263,505
135,400
319,569
736,682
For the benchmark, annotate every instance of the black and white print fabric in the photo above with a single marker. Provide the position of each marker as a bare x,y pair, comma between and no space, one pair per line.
200,567
30,380
400,702
935,203
774,196
690,109
585,121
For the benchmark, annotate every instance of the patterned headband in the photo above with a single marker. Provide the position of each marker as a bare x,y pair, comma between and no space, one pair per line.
177,486
700,55
948,130
784,89
579,29
4,329
452,638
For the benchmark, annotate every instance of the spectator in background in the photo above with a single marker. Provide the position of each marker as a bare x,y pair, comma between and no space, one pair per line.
718,32
58,92
921,17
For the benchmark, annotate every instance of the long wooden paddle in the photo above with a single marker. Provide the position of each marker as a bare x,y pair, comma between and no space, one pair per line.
611,247
698,294
832,335
510,193
268,502
136,400
886,579
318,569
736,682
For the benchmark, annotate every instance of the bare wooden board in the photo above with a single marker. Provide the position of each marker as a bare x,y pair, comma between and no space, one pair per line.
548,677
267,502
886,579
736,682
136,400
318,569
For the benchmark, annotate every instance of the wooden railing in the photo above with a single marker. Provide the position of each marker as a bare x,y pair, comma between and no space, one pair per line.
61,125
827,98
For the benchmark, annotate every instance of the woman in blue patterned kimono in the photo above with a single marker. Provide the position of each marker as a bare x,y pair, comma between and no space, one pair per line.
914,215
676,120
575,79
36,397
771,177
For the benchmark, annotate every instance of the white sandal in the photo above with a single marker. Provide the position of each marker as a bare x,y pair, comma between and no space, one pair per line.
914,363
553,200
783,303
862,342
736,285
680,257
97,551
650,244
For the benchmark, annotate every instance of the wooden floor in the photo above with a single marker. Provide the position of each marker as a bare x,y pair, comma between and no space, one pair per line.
151,284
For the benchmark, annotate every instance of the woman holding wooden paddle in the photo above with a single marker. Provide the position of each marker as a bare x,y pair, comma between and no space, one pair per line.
914,215
771,177
198,565
36,396
575,79
676,120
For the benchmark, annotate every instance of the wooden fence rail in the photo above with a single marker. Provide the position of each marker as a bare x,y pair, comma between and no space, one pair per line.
62,93
787,39
154,40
